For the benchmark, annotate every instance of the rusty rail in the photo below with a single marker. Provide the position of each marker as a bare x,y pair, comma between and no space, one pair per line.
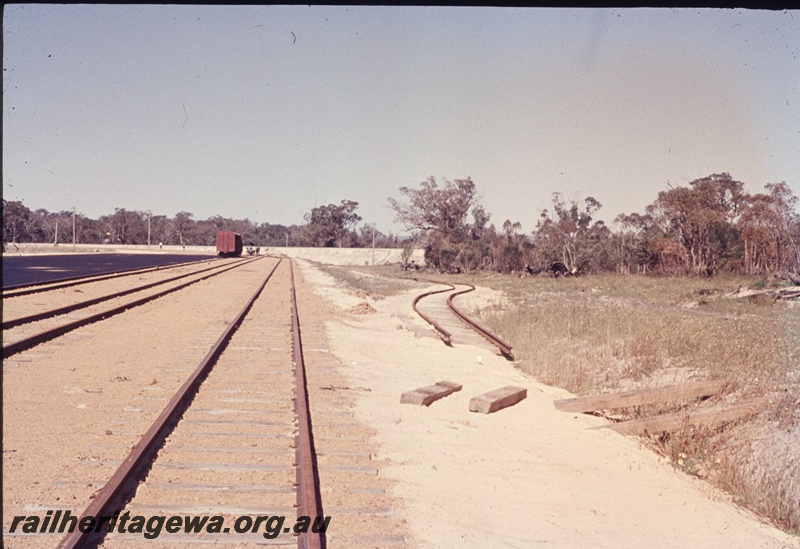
135,467
88,303
503,346
497,341
57,284
47,335
441,332
309,500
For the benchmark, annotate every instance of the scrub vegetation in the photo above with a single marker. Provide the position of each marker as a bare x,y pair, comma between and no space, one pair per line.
710,227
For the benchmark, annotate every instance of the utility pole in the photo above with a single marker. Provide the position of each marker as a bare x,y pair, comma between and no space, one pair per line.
149,213
373,245
55,242
73,227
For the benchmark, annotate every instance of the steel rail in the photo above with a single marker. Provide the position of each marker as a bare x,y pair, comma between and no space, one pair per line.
309,499
503,346
134,467
9,291
28,342
88,303
440,330
497,341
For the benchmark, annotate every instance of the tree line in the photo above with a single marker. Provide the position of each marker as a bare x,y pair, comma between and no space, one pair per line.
711,226
330,225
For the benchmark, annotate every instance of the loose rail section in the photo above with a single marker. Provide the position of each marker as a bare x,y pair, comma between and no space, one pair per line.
497,341
445,335
503,347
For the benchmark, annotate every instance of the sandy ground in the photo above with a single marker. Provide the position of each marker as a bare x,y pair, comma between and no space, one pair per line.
526,476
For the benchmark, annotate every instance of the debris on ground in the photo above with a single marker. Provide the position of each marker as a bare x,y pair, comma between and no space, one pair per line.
363,308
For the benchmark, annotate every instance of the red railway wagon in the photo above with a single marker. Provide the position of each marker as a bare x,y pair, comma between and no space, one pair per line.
229,244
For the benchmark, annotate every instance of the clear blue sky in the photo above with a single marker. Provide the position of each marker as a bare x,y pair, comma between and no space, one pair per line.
267,111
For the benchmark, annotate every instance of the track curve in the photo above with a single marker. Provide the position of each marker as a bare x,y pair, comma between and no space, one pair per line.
444,326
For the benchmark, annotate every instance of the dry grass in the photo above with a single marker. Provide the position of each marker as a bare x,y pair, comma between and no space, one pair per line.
373,280
604,333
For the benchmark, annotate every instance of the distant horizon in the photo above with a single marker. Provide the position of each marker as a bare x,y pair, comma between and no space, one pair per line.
265,112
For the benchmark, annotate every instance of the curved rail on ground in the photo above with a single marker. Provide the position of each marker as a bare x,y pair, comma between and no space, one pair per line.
497,341
35,287
441,332
47,335
88,303
135,467
502,346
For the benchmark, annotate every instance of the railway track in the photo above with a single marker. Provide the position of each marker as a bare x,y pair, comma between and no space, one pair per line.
232,438
67,282
20,320
24,332
451,324
185,438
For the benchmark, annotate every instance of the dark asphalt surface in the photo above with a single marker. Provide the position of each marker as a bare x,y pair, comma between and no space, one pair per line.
45,268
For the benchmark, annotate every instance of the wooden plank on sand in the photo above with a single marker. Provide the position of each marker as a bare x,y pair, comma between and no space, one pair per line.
707,417
424,396
497,399
641,396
